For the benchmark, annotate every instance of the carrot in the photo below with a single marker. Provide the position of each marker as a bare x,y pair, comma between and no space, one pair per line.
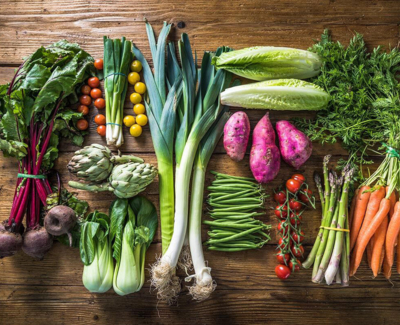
393,200
398,255
367,232
379,242
387,270
391,234
381,260
359,213
369,251
353,206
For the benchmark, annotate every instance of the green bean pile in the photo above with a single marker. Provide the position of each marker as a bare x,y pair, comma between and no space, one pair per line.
234,202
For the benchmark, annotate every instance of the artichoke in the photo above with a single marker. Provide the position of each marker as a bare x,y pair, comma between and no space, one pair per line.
94,163
126,180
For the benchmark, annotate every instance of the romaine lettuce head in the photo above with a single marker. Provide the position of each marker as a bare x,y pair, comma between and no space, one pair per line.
281,94
269,62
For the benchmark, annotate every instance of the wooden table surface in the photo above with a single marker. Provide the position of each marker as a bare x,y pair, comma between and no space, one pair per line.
51,291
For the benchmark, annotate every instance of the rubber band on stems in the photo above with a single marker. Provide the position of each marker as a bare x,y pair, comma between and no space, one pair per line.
336,229
113,124
20,175
116,73
391,151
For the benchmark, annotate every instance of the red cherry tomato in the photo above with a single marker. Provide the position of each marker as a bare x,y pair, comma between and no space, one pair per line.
101,129
281,211
100,119
280,197
283,258
297,237
295,219
297,251
294,265
82,124
83,109
93,82
304,197
293,185
98,64
95,93
283,228
299,177
86,89
100,103
282,271
295,205
85,100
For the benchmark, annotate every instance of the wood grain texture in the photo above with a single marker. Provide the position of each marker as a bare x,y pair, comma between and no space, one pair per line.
51,291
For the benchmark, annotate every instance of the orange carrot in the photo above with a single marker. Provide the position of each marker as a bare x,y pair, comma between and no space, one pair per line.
359,213
369,251
387,270
353,206
381,260
398,255
379,242
391,234
393,200
367,233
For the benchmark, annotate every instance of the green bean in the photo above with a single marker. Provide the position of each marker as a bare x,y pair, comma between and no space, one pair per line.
243,205
236,201
223,249
245,208
233,188
237,245
222,213
230,176
233,237
241,194
234,182
229,224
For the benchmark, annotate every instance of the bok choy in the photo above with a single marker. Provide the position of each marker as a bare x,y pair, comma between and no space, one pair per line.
269,62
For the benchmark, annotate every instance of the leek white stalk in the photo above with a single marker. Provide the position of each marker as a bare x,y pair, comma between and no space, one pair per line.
203,283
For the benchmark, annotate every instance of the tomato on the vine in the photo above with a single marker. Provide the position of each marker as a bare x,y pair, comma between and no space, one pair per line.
297,251
304,197
293,185
282,271
295,205
281,211
282,228
295,219
294,266
283,258
298,237
299,177
280,197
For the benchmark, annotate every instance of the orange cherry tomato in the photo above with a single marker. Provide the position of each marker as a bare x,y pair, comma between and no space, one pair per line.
95,93
83,109
98,64
82,124
86,89
85,100
100,103
100,119
93,82
101,129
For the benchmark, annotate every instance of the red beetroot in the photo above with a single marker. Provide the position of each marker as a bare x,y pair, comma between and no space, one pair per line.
37,242
10,243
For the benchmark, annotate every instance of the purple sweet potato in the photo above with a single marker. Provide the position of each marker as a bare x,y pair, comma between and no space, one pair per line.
295,146
265,159
236,135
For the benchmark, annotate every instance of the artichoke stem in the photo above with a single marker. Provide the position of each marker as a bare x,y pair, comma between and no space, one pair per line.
92,188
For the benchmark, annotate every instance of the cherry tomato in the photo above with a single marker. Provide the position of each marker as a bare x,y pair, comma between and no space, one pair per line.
295,205
282,258
281,244
294,266
304,197
293,185
93,82
135,130
86,89
282,271
133,78
100,103
297,251
280,197
129,120
283,228
295,219
139,109
281,211
135,98
136,66
95,93
299,177
141,119
98,64
101,129
298,238
140,88
100,119
85,100
82,124
83,109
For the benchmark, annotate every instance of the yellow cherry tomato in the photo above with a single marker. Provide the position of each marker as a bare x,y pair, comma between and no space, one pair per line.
140,87
129,120
135,130
133,78
136,66
135,98
139,109
141,119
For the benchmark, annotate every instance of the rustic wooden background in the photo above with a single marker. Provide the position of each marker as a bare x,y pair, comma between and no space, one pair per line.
51,291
